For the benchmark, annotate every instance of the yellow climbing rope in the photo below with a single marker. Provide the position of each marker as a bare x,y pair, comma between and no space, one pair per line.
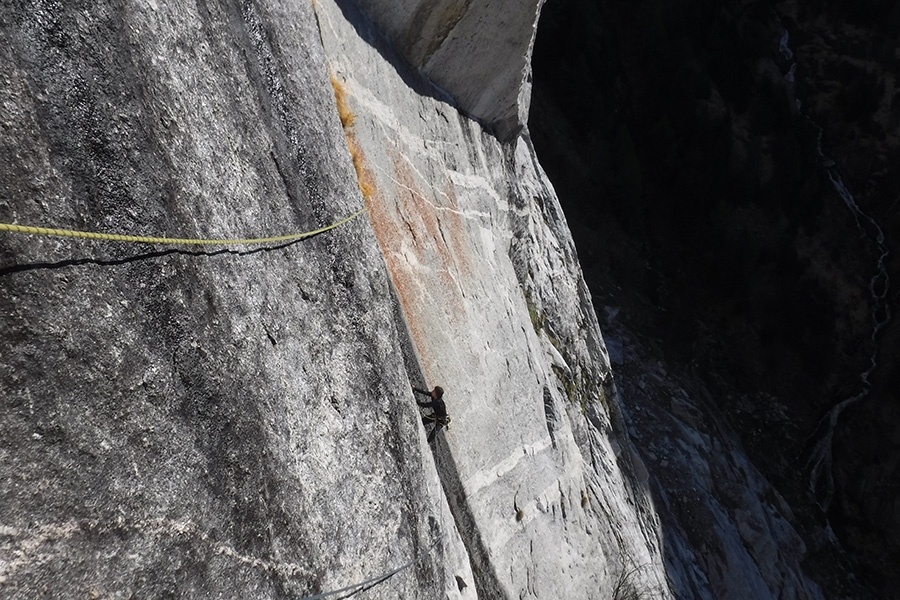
115,237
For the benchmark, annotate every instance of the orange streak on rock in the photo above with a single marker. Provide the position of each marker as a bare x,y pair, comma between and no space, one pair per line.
427,252
391,234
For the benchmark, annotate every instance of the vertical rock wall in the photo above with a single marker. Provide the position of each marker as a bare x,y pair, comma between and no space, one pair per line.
535,466
230,422
218,422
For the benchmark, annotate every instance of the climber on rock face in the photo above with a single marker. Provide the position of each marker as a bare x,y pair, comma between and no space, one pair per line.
439,410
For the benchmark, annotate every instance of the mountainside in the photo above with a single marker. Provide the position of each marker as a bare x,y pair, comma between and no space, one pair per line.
195,422
236,420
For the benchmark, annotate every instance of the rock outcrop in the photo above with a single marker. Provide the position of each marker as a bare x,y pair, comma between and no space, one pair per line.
237,420
487,278
477,51
230,422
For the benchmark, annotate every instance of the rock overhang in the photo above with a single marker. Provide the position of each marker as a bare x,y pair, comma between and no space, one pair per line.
478,51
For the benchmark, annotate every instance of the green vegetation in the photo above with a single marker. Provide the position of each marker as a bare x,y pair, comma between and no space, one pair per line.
578,386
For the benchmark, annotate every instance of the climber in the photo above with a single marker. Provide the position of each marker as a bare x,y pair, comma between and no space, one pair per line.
439,409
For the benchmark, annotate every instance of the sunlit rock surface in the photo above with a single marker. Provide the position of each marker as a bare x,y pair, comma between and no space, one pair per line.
237,422
536,465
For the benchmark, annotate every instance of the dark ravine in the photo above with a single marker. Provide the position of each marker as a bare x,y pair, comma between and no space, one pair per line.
696,190
821,457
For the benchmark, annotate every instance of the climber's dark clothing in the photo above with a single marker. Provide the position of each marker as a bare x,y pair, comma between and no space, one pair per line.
436,404
439,410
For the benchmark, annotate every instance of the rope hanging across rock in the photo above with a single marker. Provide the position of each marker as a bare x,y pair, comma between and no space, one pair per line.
358,587
115,237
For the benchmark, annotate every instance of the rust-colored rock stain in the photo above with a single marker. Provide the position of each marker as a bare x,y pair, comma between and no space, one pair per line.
426,253
391,233
424,241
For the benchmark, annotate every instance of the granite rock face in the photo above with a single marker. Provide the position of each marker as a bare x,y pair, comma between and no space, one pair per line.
238,422
479,51
211,423
537,468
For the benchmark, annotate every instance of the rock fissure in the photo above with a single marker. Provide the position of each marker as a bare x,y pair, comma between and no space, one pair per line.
452,490
486,582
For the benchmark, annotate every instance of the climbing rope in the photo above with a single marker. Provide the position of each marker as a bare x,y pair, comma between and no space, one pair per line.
46,231
375,580
115,237
356,588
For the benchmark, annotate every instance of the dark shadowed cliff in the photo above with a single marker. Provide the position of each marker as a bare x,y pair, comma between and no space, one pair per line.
730,175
